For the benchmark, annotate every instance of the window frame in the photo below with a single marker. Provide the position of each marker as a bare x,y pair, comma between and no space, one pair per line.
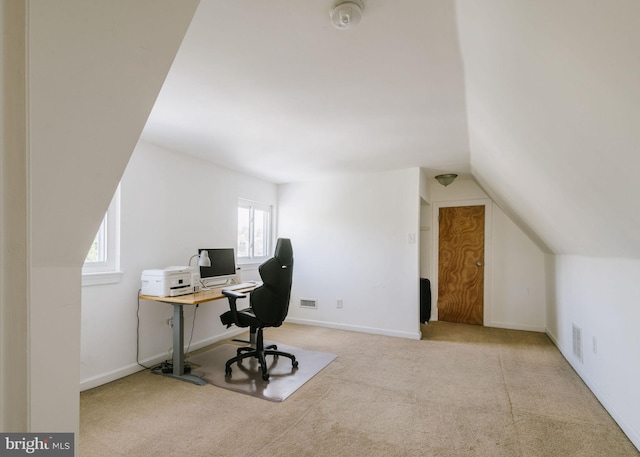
108,271
252,206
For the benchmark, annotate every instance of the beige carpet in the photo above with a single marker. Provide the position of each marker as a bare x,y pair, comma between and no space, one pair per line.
461,391
246,378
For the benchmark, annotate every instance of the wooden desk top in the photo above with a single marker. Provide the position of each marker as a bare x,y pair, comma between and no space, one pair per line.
196,298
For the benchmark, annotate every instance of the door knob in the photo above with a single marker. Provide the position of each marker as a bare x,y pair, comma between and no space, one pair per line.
478,263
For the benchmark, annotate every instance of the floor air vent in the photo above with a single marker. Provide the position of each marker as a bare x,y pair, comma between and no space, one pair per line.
308,303
577,342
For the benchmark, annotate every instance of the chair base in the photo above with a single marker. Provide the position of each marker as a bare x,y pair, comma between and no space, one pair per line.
259,352
252,341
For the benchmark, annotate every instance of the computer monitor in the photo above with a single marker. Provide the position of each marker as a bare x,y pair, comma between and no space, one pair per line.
223,265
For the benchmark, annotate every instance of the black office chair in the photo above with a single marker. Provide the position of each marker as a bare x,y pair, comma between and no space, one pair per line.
269,306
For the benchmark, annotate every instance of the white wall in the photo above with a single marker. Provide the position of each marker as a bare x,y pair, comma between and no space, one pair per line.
14,223
518,287
362,225
515,289
171,205
425,226
600,296
93,72
553,109
351,241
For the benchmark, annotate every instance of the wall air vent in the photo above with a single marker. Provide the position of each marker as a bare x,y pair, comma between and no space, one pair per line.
577,342
309,303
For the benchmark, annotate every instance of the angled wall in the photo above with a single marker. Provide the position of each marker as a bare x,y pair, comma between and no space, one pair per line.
553,108
94,70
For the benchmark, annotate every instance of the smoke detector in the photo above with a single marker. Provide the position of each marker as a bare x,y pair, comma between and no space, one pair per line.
346,13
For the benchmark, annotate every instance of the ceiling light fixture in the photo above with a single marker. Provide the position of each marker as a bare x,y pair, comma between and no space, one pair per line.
447,179
346,13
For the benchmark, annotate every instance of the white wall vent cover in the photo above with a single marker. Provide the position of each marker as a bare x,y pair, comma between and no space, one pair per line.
577,342
310,303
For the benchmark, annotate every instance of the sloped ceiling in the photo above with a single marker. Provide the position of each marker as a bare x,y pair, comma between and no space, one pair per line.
94,70
553,99
539,100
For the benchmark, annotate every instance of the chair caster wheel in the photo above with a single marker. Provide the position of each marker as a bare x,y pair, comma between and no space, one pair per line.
295,364
265,377
227,372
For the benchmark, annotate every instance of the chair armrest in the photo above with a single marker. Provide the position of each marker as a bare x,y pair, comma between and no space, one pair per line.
233,296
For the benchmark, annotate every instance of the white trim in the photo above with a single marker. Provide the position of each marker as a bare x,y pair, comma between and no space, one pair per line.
105,378
488,212
356,328
628,430
252,205
107,272
99,278
249,266
247,262
526,328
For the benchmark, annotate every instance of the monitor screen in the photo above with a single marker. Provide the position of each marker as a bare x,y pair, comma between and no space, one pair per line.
223,263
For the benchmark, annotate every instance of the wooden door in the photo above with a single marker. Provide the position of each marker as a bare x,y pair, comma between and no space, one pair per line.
461,264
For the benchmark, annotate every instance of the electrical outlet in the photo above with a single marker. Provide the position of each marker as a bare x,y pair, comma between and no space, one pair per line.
339,304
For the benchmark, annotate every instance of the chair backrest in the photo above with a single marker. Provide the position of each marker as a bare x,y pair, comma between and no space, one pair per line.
270,302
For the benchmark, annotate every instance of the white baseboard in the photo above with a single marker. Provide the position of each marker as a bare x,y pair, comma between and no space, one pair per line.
633,435
526,328
104,378
356,328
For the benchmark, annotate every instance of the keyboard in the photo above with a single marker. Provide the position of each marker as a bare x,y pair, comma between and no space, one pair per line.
242,285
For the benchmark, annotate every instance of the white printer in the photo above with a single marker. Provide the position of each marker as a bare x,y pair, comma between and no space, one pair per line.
170,282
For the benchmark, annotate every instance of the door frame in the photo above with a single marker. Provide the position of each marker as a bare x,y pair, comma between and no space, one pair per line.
488,207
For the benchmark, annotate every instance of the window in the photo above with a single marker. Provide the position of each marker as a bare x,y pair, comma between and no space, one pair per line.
102,264
254,231
98,251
